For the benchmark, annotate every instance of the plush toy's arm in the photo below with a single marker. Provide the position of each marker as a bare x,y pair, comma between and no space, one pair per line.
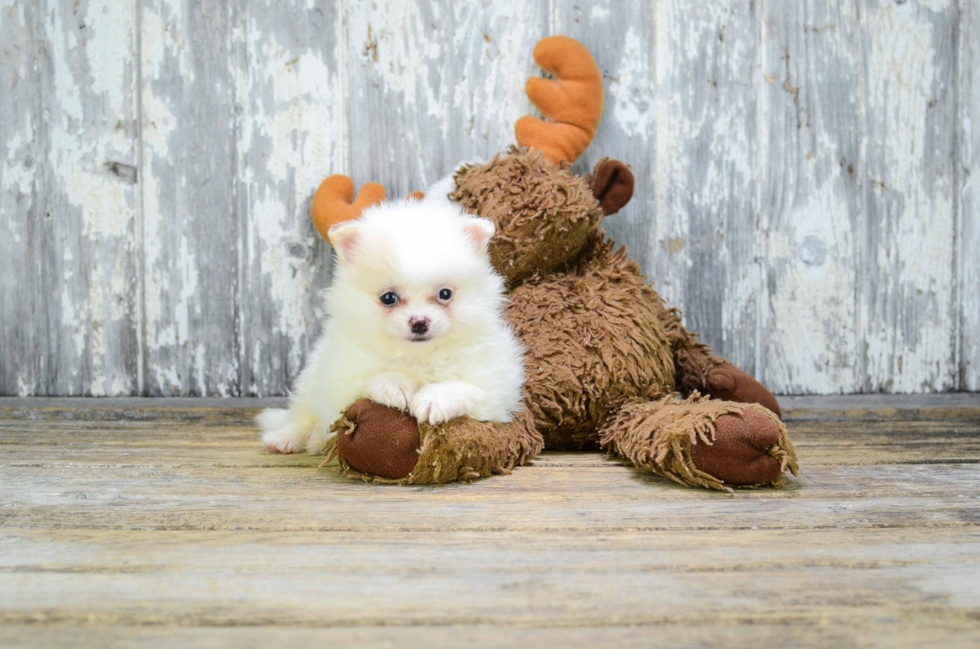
380,444
699,369
693,359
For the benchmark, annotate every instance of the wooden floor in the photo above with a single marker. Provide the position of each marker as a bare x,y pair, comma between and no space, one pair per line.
163,523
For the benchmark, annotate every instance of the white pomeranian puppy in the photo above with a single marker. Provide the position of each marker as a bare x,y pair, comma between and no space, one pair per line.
414,321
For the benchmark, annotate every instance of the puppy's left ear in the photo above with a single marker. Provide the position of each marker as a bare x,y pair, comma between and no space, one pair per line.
480,231
344,237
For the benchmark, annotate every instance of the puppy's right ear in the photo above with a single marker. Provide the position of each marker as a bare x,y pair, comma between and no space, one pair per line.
344,237
480,231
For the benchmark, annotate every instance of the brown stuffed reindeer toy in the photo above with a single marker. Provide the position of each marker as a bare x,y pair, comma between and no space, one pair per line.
609,365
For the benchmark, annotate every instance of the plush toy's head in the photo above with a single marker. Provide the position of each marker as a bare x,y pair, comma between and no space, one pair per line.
544,213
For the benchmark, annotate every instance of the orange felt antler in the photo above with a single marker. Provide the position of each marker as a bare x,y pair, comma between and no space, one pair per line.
571,104
332,202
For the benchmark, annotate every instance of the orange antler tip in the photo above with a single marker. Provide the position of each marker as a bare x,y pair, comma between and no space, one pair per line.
571,104
332,202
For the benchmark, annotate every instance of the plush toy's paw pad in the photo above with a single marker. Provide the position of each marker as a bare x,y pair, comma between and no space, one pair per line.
384,442
729,383
435,406
389,391
739,454
283,440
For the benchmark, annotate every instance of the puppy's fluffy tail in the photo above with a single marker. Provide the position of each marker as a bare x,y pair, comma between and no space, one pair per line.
290,431
272,419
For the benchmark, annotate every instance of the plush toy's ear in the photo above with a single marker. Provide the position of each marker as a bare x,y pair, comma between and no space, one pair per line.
612,185
332,203
480,231
344,237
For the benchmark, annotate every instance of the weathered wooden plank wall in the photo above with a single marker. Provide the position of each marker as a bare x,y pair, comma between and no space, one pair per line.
967,188
18,210
804,187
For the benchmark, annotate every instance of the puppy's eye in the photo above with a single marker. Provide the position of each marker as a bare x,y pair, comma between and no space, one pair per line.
389,299
445,294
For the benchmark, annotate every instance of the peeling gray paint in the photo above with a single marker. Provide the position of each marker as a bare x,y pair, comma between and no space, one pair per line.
18,198
80,299
811,104
191,233
967,188
293,113
804,175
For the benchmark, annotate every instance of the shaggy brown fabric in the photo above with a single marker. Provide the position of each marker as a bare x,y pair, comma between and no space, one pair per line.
592,340
725,381
612,185
544,214
659,435
460,450
693,359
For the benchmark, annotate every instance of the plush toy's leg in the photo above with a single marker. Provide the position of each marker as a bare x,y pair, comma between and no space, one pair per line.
727,382
698,369
702,442
378,443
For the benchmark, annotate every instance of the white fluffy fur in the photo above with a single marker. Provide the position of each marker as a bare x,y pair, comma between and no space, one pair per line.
471,365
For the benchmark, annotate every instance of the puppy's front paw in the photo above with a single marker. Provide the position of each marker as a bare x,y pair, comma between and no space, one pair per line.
318,439
436,406
393,391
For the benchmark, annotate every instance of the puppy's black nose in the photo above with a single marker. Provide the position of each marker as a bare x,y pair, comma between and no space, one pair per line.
418,325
